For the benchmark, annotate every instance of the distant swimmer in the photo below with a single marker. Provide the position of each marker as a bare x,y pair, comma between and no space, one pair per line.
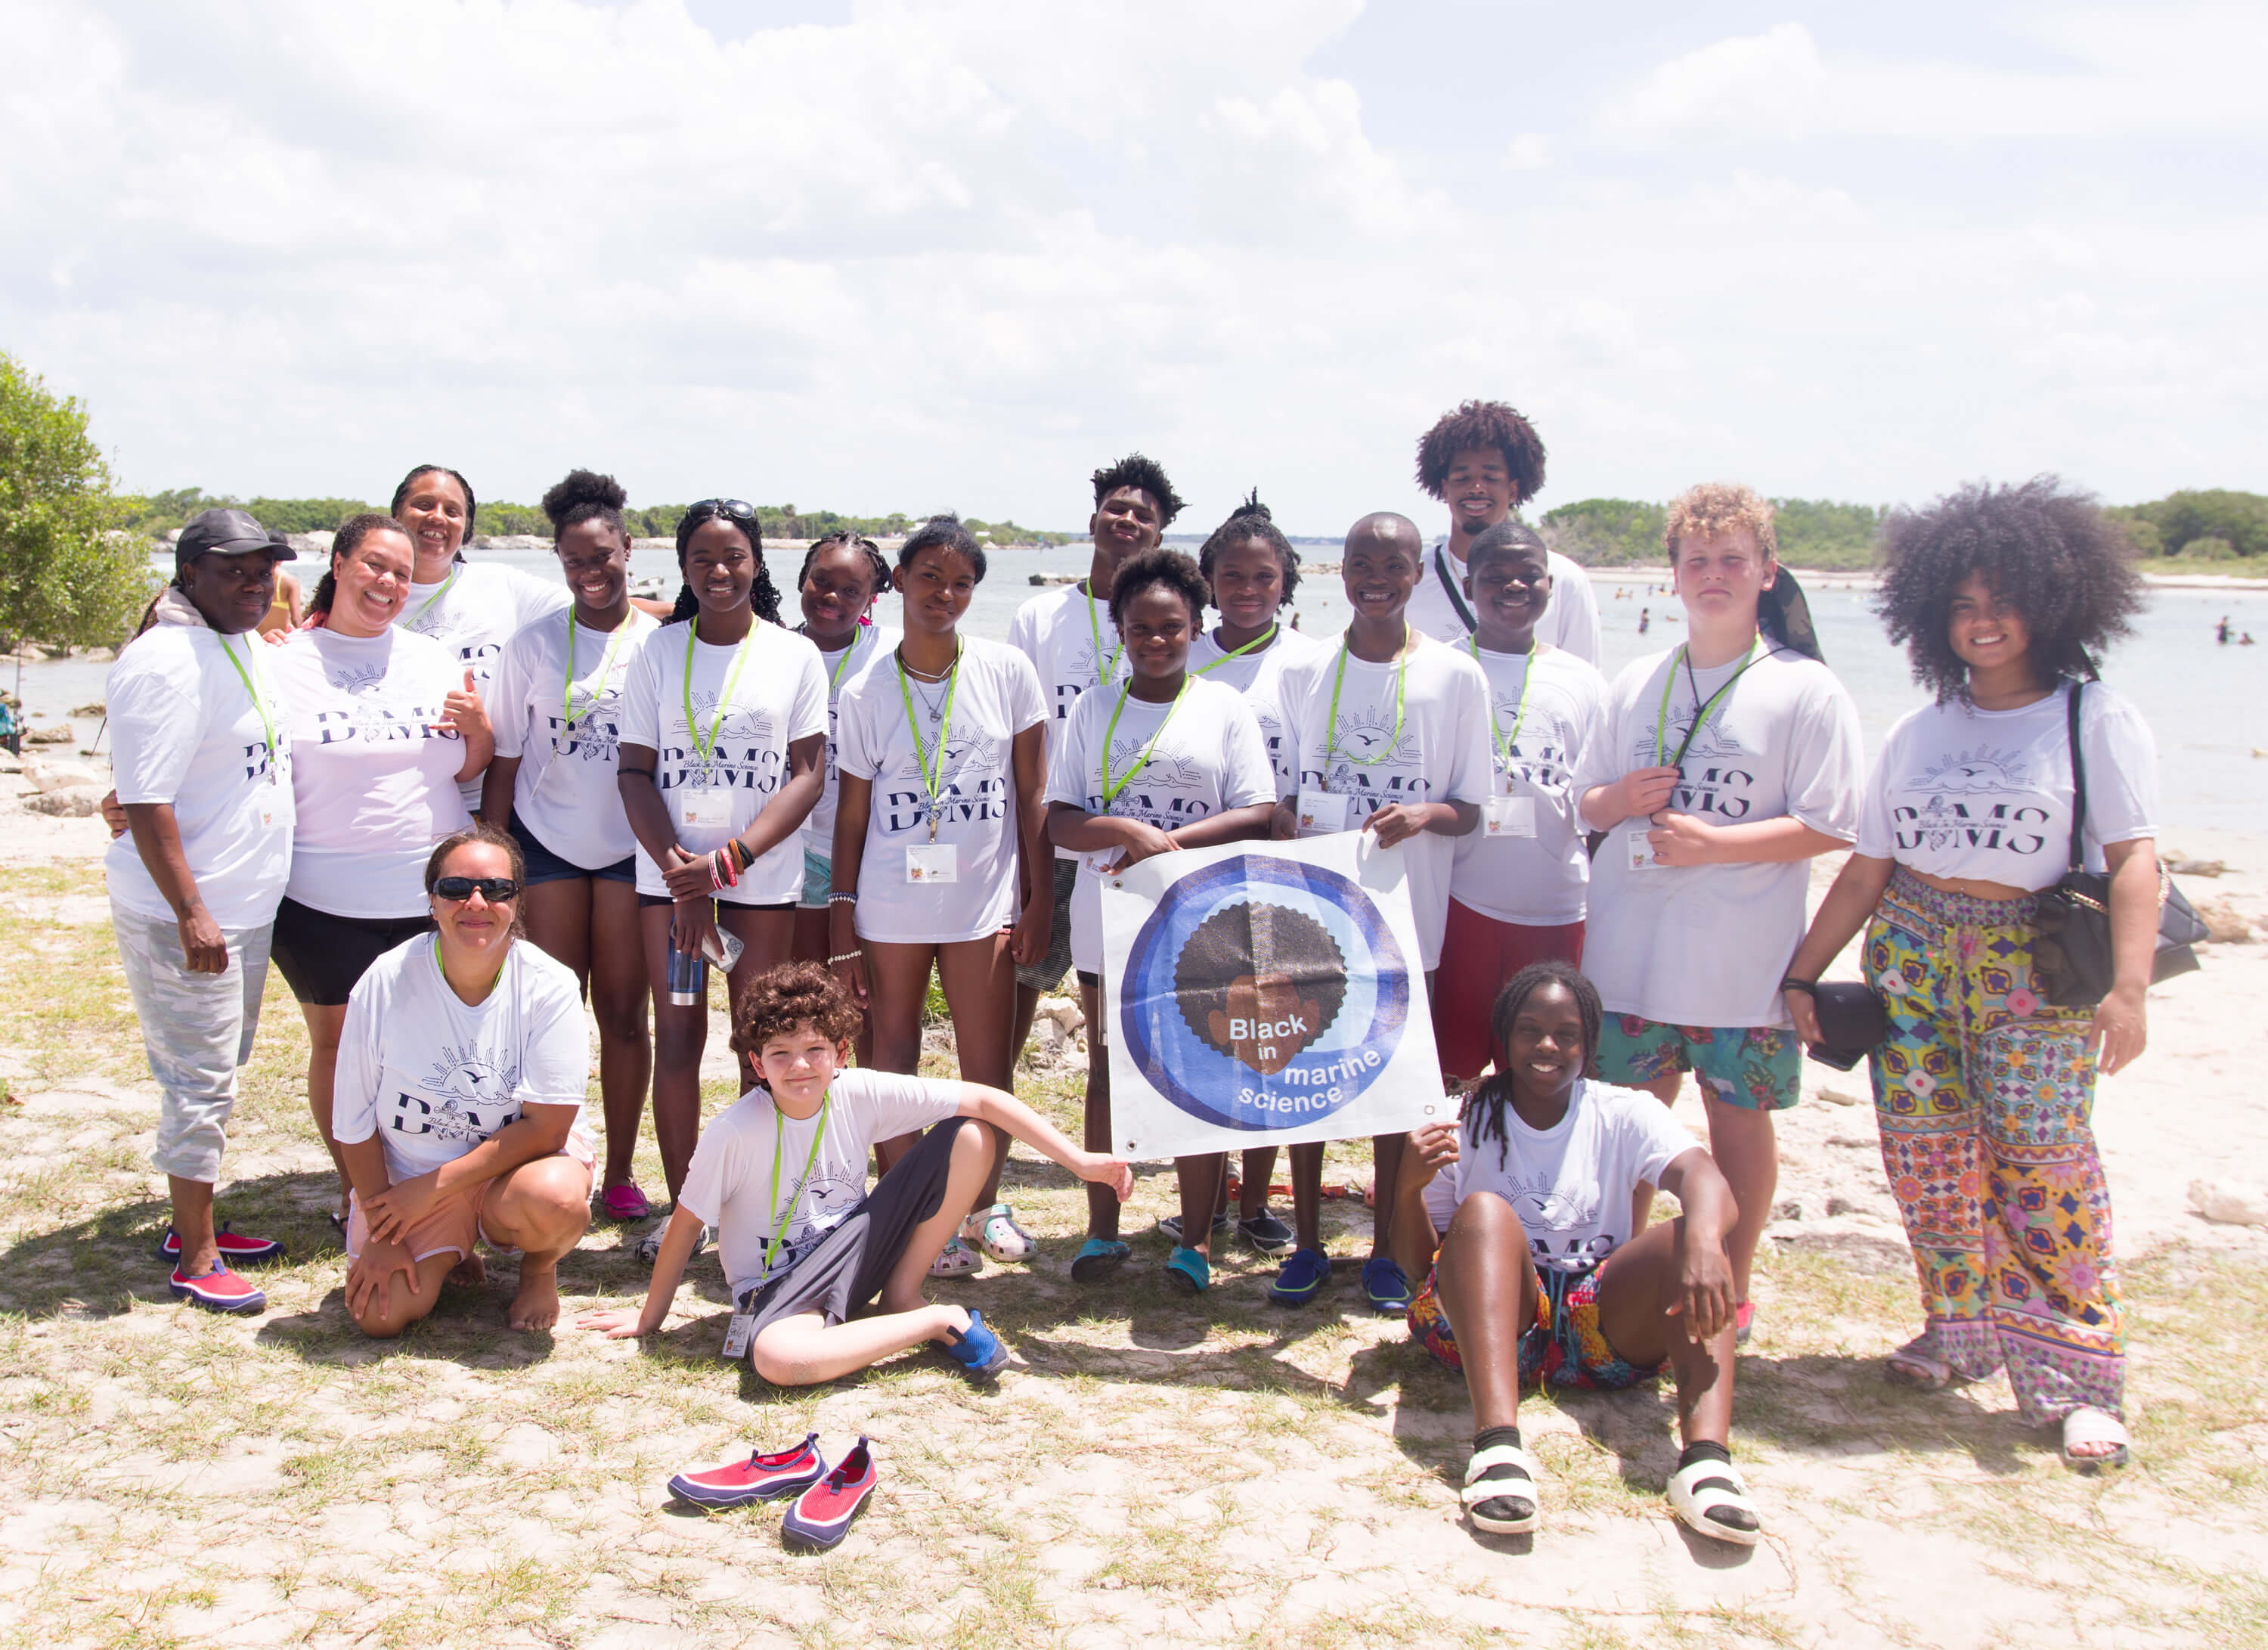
2221,631
2245,640
1645,620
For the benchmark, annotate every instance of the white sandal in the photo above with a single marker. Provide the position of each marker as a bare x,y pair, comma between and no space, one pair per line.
2085,1425
995,1231
1515,1487
1703,1487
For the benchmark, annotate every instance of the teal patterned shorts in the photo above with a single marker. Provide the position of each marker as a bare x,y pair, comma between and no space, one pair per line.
1756,1068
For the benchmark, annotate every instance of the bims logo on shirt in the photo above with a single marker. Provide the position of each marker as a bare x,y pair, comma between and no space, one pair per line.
1262,993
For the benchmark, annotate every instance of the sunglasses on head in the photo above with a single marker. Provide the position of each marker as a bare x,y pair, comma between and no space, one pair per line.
494,890
734,509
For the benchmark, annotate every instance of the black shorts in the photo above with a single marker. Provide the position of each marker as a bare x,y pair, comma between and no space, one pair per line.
321,956
1047,974
848,1267
543,866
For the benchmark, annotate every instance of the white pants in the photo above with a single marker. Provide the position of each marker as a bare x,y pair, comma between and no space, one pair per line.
196,1029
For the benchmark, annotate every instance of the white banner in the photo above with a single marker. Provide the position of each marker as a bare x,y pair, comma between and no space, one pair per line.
1265,994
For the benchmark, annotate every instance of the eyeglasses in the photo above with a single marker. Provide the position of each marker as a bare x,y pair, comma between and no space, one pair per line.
494,890
737,509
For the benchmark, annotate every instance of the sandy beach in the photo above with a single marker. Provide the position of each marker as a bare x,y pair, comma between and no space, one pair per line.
1148,1471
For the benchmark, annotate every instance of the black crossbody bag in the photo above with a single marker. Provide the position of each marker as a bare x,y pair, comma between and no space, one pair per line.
2071,950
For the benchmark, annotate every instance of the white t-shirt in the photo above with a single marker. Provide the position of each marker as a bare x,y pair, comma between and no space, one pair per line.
373,778
780,696
1572,1185
1538,870
868,643
186,729
565,739
1706,945
1209,755
473,613
1259,677
1985,795
996,698
1443,755
729,1183
433,1076
1073,642
1571,621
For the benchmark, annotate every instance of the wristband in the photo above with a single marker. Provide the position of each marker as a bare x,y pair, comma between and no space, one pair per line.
843,896
739,849
1789,982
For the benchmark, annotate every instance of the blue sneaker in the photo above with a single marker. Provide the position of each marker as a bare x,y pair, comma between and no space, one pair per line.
1188,1270
977,1349
1097,1259
1386,1285
1301,1277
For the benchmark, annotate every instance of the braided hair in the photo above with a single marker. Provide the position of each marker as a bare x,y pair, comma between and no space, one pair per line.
1248,521
841,538
1487,1105
763,596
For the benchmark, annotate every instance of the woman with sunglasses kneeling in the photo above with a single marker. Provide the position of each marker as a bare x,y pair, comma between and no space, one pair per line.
459,1100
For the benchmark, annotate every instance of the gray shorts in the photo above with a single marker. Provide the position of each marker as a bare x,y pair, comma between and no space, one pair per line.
196,1029
1047,974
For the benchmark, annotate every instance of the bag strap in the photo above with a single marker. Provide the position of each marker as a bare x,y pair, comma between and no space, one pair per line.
1463,608
2078,781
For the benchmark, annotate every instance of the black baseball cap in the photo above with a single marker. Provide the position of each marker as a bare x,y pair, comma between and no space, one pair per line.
227,532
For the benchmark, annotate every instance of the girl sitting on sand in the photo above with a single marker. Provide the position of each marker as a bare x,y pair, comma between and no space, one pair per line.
1521,1219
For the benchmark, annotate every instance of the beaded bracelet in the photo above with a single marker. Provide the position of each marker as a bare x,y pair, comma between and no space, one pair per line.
842,896
847,957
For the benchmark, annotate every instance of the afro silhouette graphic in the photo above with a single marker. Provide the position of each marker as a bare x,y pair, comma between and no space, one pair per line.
1260,983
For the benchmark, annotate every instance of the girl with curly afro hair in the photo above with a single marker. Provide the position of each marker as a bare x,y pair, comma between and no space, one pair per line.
2005,597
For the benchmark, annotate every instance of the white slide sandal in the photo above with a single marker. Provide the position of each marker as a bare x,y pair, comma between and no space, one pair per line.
2095,1426
1704,1487
1499,1480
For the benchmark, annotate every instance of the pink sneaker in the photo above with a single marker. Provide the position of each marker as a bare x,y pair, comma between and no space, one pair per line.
761,1477
624,1202
219,1290
822,1517
233,1246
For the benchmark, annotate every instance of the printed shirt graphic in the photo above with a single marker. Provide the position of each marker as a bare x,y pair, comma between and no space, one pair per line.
870,643
729,1183
779,697
1540,880
564,791
373,776
1053,631
1706,945
1210,756
1259,677
998,698
473,614
432,1076
1443,755
185,730
1985,795
1570,622
1571,1186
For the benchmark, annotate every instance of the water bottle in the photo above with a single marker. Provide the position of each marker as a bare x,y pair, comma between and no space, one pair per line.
687,976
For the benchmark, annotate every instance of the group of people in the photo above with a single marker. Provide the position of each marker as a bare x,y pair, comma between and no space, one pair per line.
458,804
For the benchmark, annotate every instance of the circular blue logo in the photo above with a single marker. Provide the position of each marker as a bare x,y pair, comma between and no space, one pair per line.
1264,993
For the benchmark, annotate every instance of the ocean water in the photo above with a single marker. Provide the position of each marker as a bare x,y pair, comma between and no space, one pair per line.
2207,703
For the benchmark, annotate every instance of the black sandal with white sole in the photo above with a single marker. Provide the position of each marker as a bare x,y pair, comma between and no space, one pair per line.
1499,1494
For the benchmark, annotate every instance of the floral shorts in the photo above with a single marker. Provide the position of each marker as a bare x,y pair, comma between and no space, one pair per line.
1564,1347
1756,1068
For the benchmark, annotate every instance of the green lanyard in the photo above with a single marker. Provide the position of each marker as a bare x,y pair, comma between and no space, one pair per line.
1505,741
779,1132
725,699
1700,711
436,954
835,680
932,773
1109,791
1261,640
1094,627
1331,728
259,699
433,600
606,669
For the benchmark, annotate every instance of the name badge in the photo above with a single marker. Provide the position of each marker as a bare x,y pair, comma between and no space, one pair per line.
1102,864
738,1333
267,814
1641,851
705,809
1320,812
1508,816
932,862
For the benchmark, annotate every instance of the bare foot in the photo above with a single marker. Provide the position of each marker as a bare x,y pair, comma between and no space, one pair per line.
536,1305
470,1272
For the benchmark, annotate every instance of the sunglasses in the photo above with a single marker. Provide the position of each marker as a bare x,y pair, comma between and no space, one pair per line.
494,890
735,509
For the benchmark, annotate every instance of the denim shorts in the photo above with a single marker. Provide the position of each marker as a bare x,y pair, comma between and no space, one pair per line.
543,866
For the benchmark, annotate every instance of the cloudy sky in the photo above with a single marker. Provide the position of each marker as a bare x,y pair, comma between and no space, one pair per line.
914,256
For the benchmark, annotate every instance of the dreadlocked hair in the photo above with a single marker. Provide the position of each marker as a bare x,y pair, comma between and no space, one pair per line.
763,596
1249,521
842,538
586,495
1146,475
1481,423
1487,1105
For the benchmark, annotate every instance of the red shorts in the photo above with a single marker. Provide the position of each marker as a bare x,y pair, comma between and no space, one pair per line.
1478,954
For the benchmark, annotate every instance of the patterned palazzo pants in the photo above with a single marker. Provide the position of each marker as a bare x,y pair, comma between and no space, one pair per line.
1984,1095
